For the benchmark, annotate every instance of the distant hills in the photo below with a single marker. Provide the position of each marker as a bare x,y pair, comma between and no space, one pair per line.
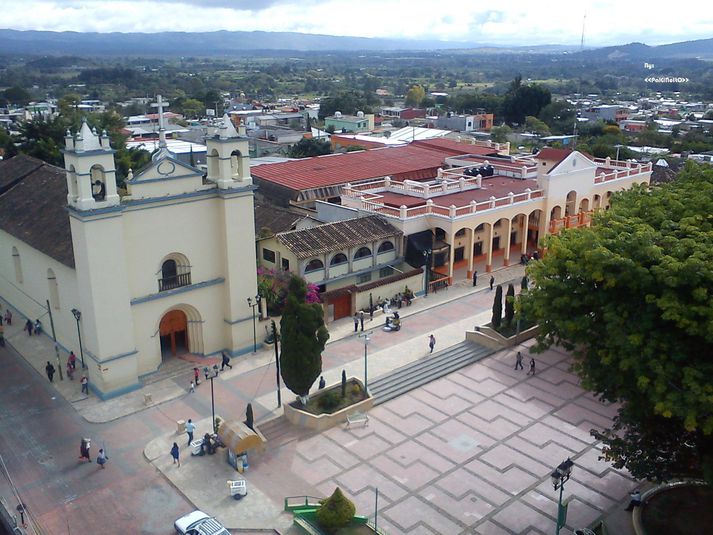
227,43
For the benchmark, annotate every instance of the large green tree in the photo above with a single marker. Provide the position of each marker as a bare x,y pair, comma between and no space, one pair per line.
631,299
303,338
522,100
307,147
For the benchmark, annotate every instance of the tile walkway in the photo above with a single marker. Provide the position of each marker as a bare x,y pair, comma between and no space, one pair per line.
470,453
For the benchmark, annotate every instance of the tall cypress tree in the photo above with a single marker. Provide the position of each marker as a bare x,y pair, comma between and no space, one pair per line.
498,307
303,337
510,304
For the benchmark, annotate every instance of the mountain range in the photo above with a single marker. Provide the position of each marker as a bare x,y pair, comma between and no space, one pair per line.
227,43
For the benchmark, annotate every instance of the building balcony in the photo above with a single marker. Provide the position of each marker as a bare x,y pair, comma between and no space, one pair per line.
582,219
176,281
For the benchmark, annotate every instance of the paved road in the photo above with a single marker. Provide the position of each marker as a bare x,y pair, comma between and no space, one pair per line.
40,444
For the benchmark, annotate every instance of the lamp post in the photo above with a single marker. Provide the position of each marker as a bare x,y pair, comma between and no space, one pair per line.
427,255
366,338
276,338
253,303
206,372
559,476
77,316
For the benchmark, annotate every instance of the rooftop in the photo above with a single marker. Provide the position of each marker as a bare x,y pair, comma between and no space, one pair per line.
336,236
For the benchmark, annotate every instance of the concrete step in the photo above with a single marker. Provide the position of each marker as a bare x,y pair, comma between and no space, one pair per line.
279,431
423,371
173,368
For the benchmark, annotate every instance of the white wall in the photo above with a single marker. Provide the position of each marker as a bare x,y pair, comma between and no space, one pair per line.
29,296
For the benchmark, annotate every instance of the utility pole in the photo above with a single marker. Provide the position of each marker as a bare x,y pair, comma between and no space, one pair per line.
54,337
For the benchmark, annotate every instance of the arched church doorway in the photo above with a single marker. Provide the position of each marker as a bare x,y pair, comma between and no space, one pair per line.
173,331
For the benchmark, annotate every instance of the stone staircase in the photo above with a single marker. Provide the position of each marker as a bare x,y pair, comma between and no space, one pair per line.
425,370
278,431
172,368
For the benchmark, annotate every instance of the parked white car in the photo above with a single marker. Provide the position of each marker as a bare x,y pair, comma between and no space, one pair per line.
199,523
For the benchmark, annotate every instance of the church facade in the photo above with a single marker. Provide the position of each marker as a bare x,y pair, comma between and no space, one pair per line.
165,266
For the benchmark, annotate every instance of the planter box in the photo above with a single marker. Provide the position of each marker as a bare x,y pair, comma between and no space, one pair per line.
325,421
489,337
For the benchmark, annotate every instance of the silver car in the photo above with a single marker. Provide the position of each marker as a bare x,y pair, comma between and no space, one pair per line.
199,523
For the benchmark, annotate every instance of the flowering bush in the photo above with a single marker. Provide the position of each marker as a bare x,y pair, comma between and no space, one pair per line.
272,286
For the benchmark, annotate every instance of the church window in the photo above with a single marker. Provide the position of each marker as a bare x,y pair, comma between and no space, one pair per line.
175,272
235,164
285,264
268,255
362,252
314,265
18,264
98,178
213,161
54,289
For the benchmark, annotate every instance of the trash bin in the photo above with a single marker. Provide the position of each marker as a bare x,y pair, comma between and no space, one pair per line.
196,446
180,427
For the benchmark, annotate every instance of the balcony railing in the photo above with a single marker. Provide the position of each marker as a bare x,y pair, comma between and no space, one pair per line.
176,281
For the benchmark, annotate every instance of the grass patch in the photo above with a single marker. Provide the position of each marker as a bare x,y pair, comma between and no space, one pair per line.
330,400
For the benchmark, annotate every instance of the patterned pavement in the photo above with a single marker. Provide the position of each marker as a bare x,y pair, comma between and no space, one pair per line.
471,453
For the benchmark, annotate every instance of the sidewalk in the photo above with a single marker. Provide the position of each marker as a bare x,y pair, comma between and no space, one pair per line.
38,350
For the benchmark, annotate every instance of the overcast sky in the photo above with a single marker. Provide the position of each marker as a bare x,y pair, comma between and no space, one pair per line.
507,22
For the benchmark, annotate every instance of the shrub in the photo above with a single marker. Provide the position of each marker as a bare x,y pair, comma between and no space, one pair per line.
329,400
336,512
344,383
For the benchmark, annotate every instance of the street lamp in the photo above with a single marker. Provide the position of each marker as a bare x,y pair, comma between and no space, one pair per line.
77,316
366,338
253,304
559,476
427,255
206,372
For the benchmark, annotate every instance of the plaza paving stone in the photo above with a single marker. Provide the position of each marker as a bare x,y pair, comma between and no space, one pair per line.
472,453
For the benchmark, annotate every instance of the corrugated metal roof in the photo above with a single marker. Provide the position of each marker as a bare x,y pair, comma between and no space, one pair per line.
335,169
337,236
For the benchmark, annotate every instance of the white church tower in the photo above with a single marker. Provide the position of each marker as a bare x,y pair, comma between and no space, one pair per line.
99,252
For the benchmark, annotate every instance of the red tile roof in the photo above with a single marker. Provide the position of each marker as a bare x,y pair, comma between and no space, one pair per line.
412,161
452,146
553,155
496,186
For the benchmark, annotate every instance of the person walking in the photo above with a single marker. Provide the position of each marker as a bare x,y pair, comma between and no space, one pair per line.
70,371
356,322
38,326
518,361
531,371
175,453
84,447
28,327
2,335
322,382
84,381
192,389
635,500
102,458
492,281
225,362
50,371
72,360
475,278
8,317
196,376
431,343
190,428
361,320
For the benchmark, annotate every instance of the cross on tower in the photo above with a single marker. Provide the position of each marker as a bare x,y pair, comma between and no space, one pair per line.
160,103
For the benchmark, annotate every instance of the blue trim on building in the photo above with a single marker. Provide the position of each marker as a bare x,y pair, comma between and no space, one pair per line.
240,189
109,359
84,214
175,291
153,200
235,322
113,393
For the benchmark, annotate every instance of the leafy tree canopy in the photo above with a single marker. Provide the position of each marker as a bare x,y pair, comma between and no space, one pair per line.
631,299
523,100
307,147
415,96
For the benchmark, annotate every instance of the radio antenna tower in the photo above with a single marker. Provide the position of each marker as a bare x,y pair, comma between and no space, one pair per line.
579,91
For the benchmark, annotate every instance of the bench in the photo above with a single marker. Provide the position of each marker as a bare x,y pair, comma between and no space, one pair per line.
357,418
